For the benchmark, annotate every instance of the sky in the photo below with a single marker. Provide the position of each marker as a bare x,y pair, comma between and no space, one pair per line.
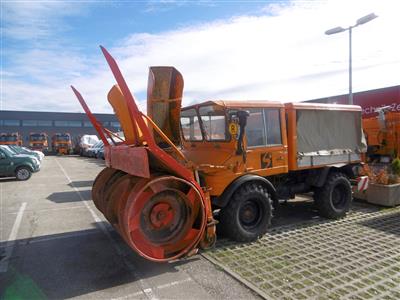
226,50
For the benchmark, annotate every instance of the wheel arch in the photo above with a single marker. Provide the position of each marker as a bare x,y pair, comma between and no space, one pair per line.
224,198
29,167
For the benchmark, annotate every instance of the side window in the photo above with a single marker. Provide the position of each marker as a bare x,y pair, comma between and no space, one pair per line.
255,132
263,128
273,126
190,125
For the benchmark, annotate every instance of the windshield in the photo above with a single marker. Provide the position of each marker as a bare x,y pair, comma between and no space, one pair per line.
8,138
37,137
15,148
63,137
213,120
190,125
8,151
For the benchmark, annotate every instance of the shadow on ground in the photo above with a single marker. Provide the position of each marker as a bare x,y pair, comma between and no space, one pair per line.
82,183
72,264
70,196
388,223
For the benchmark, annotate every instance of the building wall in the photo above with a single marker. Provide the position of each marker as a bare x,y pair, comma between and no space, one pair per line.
369,100
77,124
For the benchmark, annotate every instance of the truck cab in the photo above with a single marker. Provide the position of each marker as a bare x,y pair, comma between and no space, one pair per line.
61,143
38,141
11,139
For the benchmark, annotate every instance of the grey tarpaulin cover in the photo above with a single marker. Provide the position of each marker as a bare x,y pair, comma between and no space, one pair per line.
329,131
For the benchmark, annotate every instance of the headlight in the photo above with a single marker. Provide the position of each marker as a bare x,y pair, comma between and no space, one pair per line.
35,161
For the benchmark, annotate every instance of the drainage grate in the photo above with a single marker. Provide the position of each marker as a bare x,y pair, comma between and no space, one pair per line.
357,257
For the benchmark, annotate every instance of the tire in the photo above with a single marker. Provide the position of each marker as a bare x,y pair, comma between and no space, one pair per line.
23,173
248,214
334,198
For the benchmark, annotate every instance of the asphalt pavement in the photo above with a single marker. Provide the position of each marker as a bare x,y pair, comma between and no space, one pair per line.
55,244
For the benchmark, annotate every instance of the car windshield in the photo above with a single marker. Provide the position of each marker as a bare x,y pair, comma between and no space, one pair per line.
15,149
7,150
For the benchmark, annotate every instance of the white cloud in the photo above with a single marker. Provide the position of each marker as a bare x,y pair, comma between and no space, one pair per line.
35,20
282,55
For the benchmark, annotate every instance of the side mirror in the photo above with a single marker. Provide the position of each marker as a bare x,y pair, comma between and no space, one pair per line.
242,115
2,155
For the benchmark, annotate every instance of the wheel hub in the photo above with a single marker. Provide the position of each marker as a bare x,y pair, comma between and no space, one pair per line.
249,213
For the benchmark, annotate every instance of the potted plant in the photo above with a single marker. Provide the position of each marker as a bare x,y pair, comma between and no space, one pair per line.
384,187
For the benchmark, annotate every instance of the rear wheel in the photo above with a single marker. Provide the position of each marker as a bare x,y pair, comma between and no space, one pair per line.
333,199
248,215
23,173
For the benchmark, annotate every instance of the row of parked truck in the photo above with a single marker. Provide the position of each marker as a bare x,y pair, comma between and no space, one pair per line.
61,143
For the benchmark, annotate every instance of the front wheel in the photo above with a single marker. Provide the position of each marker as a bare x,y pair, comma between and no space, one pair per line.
333,199
23,173
248,215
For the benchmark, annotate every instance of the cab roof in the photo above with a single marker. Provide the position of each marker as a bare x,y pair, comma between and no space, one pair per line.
238,104
267,104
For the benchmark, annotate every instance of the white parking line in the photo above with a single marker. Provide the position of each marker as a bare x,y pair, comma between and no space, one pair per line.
11,239
167,285
159,287
49,209
146,288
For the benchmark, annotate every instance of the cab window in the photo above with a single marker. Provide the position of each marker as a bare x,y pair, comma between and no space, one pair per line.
190,125
263,128
214,123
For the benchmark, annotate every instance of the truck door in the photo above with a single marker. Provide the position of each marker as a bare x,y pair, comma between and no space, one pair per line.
266,141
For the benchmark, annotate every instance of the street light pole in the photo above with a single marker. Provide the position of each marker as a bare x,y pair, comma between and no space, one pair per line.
360,21
350,70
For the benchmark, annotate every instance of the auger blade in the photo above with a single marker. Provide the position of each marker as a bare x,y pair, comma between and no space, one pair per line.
92,118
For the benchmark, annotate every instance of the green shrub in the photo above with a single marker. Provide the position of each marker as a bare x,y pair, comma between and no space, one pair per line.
396,166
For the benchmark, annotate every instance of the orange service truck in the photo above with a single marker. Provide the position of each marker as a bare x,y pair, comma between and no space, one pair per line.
178,172
38,141
13,138
61,143
383,135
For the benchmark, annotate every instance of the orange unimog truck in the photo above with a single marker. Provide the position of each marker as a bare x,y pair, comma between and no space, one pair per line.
176,169
38,141
383,135
13,138
61,143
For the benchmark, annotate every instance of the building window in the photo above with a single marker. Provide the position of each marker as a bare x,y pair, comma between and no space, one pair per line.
106,124
68,123
87,124
11,123
74,123
45,123
31,123
61,123
115,124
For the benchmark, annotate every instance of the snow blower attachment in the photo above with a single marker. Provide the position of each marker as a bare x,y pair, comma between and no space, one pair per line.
149,191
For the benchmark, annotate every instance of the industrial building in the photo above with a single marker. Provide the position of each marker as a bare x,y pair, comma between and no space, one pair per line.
77,124
369,100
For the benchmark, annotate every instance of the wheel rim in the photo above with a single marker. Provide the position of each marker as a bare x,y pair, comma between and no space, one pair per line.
339,196
250,214
23,174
